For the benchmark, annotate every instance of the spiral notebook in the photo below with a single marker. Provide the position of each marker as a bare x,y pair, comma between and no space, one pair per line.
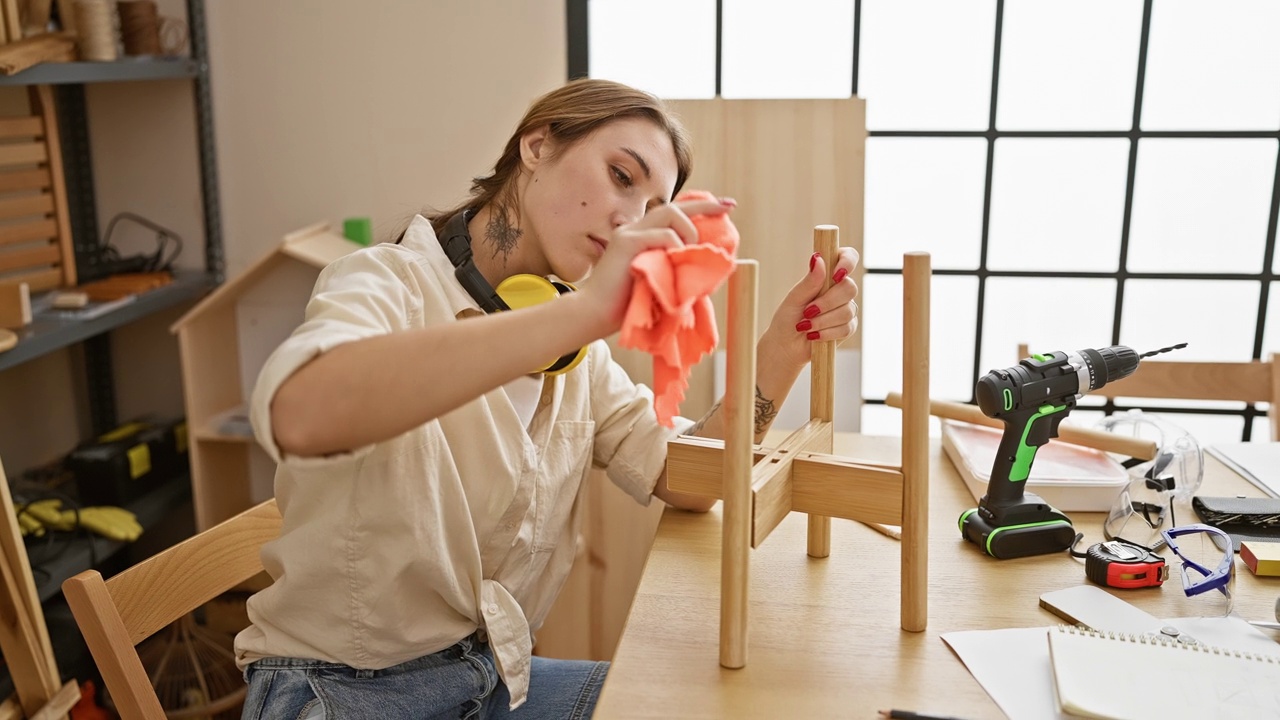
1116,675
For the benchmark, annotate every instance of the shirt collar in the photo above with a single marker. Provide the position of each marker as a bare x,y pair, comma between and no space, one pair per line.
421,238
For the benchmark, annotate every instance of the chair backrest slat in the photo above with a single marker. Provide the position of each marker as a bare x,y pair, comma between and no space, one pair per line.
117,615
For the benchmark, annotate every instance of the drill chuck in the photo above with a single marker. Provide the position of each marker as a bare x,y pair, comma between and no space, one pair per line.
1108,364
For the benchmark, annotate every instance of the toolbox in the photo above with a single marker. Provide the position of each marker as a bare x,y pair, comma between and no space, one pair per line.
130,461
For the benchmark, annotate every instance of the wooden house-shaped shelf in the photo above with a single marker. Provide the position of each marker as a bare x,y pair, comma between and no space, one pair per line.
224,342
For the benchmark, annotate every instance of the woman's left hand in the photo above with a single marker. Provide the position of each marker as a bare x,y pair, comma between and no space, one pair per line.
808,315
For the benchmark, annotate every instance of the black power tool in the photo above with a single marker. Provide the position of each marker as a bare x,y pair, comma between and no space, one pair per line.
1032,398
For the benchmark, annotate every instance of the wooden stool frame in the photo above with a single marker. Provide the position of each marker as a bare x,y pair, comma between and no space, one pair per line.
760,486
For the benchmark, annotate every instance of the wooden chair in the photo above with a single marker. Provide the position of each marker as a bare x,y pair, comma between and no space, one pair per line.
1251,381
115,615
761,486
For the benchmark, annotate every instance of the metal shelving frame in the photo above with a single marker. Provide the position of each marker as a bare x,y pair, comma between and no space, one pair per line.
69,79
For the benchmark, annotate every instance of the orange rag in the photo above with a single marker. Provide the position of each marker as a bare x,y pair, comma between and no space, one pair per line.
670,314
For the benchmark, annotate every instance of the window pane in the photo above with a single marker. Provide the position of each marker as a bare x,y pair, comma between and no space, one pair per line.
953,305
1047,83
1201,205
1213,66
887,422
620,37
794,50
1057,204
924,194
1014,313
1215,317
926,64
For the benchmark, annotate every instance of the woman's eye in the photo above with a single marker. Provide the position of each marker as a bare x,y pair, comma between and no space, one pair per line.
623,178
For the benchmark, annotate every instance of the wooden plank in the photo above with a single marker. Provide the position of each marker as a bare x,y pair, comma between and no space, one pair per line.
30,231
21,645
61,703
844,488
31,257
12,20
695,464
28,126
38,280
22,587
113,651
42,100
31,153
26,205
24,180
159,590
771,477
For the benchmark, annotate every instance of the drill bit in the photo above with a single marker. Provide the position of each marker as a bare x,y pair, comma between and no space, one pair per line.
1179,346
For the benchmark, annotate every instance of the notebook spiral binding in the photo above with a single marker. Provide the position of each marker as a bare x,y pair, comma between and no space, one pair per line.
1147,639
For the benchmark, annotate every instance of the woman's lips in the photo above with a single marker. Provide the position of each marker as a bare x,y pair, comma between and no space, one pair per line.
599,243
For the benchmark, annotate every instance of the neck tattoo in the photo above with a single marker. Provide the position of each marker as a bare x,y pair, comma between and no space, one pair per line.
502,233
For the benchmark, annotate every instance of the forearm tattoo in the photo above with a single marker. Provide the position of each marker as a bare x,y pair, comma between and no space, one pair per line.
765,412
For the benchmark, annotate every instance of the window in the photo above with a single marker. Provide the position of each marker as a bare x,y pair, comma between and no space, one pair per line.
1084,174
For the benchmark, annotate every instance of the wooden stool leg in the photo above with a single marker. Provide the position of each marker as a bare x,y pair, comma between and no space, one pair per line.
739,409
822,378
915,441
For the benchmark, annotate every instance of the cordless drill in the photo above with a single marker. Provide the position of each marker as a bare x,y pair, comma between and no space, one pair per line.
1032,398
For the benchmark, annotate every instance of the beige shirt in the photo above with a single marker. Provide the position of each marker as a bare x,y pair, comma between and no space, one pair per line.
469,522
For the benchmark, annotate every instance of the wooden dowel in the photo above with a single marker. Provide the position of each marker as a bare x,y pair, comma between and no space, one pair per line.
915,441
822,379
1097,439
739,456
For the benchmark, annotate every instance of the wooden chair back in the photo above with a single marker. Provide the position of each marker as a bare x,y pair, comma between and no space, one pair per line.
1251,381
117,614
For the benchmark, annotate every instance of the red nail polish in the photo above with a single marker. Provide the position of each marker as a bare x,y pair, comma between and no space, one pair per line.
813,260
839,275
812,312
814,335
803,325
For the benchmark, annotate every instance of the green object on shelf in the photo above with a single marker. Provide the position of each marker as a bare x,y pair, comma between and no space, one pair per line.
358,229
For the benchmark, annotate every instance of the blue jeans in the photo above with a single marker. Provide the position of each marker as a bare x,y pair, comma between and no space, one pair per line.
458,682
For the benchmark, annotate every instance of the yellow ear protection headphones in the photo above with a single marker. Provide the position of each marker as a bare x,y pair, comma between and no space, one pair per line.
514,293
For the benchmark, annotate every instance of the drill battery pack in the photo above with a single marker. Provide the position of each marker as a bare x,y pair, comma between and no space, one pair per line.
130,461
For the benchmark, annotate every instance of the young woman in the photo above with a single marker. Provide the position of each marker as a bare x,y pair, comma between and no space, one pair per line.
430,505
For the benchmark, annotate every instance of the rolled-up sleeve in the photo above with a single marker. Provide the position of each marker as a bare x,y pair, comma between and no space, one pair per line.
359,296
630,444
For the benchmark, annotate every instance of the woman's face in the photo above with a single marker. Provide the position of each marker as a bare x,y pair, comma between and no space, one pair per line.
575,196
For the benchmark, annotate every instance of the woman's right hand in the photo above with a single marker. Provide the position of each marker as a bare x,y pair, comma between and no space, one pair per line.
667,226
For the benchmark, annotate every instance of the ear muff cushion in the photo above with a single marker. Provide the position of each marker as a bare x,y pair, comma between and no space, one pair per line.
522,291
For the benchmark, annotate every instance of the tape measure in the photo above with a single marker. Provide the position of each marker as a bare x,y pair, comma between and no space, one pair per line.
1123,564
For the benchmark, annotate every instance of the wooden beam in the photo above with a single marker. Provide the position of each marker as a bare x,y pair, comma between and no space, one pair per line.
916,275
771,477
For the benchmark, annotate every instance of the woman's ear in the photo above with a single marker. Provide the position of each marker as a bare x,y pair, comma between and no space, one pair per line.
535,146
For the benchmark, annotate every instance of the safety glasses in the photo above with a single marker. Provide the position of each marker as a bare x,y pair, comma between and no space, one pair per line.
1208,562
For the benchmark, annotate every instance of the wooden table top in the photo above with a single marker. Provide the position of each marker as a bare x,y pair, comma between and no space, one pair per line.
824,638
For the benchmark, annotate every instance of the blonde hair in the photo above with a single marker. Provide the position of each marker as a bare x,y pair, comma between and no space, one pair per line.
572,112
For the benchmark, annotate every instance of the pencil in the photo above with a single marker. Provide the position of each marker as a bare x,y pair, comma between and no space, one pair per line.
909,715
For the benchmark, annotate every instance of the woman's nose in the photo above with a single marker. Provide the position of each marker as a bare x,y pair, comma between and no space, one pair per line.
625,216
